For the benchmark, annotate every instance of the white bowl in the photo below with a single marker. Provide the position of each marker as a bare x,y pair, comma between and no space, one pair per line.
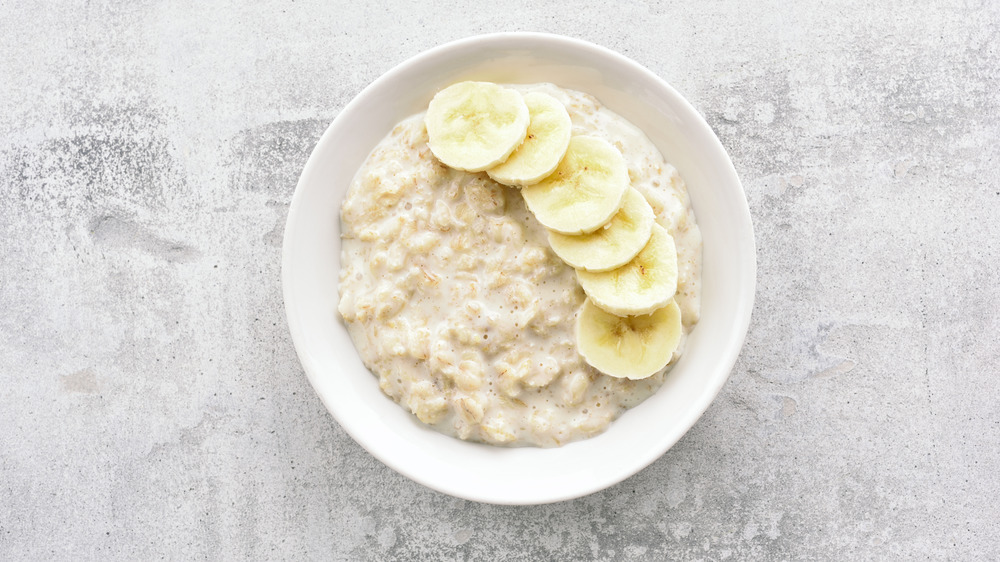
524,475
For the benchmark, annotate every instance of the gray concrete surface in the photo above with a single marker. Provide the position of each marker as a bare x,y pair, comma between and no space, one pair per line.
152,406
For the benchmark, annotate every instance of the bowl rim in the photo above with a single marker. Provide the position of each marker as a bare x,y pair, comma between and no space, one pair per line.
741,316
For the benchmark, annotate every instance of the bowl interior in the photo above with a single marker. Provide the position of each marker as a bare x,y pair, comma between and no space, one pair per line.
311,263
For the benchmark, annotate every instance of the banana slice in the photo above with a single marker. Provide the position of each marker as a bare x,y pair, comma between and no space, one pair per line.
628,347
614,244
584,192
642,285
473,126
544,146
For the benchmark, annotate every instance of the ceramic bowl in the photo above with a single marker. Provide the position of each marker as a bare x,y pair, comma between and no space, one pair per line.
523,475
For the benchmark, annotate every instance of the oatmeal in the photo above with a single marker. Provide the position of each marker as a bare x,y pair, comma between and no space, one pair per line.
457,303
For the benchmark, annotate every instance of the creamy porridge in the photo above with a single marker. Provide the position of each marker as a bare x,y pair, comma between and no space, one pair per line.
458,305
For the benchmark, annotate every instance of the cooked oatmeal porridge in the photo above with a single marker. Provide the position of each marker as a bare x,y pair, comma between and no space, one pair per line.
457,304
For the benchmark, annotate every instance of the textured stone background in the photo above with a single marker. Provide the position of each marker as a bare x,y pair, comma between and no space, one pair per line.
150,399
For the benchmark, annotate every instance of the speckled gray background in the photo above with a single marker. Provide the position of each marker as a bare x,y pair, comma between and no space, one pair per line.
151,403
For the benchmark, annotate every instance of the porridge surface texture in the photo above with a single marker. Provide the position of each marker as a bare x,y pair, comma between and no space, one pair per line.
455,300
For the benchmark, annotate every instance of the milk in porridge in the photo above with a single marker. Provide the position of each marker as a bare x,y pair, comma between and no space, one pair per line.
457,304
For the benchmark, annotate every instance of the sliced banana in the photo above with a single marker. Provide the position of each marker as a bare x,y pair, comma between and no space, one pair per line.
629,347
584,192
544,145
612,245
473,126
642,285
